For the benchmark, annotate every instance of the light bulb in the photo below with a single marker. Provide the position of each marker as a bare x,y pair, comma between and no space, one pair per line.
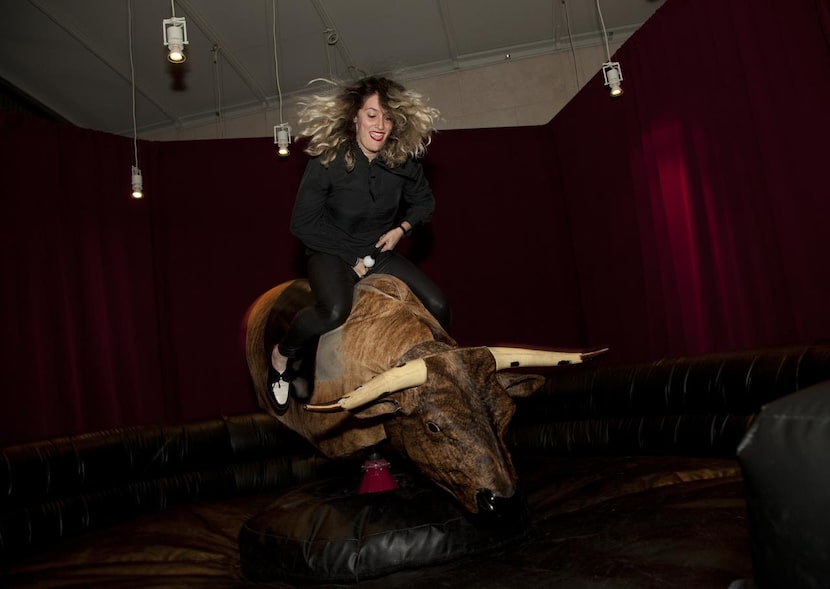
176,54
613,76
282,137
175,39
137,184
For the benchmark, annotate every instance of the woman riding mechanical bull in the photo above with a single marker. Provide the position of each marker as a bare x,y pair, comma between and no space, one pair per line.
362,192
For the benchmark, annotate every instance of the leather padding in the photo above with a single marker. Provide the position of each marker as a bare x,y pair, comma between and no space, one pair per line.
786,470
326,533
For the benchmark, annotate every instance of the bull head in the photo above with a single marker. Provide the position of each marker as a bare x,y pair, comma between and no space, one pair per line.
452,410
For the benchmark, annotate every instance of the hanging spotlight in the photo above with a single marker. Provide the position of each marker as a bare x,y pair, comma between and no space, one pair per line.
138,188
612,73
611,70
175,37
282,132
282,138
137,184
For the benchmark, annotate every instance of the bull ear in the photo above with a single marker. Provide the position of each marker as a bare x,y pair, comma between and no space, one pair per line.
520,385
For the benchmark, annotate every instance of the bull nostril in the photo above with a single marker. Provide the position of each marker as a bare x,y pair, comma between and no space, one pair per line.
494,510
486,500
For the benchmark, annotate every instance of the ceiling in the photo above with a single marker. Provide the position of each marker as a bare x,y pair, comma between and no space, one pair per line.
73,58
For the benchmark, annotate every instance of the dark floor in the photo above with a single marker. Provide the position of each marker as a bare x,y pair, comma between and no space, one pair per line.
609,522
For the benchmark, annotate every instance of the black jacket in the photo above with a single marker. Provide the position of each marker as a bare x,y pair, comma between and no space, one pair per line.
344,213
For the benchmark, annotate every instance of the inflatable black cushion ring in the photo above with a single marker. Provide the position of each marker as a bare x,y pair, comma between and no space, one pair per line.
786,466
325,533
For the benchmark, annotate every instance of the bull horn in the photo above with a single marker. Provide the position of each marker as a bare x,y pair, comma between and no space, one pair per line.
411,374
525,357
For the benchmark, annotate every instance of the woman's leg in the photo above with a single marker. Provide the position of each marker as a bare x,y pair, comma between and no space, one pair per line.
426,290
332,282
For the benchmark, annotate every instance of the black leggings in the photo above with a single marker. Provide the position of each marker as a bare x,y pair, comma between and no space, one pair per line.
332,281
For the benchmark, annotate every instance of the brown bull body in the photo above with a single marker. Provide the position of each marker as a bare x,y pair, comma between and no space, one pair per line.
451,425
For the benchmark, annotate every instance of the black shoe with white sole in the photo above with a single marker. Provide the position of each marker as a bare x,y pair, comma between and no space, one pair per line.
280,387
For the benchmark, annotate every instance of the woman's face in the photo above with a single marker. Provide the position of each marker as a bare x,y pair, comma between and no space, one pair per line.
373,126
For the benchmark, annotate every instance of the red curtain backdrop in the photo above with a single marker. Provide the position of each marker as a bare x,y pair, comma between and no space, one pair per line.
80,330
698,203
687,216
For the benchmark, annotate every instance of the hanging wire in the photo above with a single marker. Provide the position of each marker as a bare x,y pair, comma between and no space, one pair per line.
604,32
172,9
217,91
276,60
132,79
611,70
571,41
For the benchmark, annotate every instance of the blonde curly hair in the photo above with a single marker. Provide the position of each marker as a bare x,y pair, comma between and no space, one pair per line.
328,121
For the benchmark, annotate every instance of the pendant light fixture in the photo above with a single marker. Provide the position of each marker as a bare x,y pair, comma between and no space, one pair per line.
282,138
611,70
175,36
282,132
612,74
136,183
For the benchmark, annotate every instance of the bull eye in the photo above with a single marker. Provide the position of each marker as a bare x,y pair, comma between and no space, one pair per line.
433,427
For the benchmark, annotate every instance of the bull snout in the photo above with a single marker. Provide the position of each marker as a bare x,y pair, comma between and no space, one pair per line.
492,508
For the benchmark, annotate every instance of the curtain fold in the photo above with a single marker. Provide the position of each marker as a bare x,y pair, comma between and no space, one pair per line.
80,329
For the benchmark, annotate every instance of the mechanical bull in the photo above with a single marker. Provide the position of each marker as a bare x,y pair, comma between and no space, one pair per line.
391,373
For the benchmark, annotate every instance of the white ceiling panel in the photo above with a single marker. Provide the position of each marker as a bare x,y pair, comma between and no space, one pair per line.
390,35
493,25
72,56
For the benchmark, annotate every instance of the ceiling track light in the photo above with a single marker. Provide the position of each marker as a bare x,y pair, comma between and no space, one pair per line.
138,185
175,36
136,180
612,74
282,138
611,70
282,132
